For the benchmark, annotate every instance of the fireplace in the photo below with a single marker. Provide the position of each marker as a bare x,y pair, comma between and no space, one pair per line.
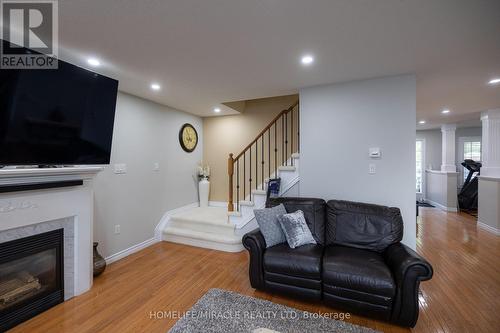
31,276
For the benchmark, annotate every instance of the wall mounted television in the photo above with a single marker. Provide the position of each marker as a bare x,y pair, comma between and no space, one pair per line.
61,116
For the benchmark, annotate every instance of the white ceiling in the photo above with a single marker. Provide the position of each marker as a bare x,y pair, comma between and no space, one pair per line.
206,52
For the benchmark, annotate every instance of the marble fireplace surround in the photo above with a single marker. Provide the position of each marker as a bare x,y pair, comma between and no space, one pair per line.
32,212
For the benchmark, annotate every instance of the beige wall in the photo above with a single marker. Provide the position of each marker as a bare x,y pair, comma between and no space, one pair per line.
231,134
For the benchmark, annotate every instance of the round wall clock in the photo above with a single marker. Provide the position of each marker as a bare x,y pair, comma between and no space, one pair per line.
188,137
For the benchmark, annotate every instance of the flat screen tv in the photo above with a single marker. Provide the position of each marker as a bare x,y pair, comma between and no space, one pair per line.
61,116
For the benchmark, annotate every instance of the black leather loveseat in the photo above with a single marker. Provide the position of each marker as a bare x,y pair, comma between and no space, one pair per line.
358,265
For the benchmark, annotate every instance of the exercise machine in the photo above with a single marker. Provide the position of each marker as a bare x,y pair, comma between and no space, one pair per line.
467,198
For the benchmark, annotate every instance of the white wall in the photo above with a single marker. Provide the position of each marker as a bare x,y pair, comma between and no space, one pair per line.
442,189
489,208
432,156
340,122
144,133
433,147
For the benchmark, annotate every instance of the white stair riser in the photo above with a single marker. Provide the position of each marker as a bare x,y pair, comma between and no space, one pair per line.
207,244
231,239
202,227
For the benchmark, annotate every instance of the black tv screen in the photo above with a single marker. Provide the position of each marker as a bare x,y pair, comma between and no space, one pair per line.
61,116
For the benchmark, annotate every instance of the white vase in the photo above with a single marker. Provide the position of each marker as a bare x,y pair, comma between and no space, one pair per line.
203,189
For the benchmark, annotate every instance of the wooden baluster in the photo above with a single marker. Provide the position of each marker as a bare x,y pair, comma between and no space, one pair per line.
230,171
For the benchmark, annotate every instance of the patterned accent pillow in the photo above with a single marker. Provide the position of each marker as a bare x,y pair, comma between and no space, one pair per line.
267,219
296,231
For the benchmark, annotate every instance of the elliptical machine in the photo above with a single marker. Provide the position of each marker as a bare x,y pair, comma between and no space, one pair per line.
467,198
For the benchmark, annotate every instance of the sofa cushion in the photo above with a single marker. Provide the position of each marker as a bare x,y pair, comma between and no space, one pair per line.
304,261
313,209
269,226
362,225
296,231
358,270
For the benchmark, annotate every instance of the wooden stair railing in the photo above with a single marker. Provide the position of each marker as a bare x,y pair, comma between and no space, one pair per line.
271,148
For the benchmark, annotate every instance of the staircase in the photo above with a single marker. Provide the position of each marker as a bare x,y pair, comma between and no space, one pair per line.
273,153
206,227
243,219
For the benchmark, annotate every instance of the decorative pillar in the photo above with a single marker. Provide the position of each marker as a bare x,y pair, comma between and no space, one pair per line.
489,181
491,143
448,150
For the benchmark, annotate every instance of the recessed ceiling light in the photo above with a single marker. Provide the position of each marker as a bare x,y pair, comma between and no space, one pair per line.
155,86
217,110
421,122
494,81
307,60
445,111
93,62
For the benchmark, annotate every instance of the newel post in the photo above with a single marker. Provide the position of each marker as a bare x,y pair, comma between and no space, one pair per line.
230,171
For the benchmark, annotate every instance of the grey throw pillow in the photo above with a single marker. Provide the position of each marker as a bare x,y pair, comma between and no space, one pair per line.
296,231
267,219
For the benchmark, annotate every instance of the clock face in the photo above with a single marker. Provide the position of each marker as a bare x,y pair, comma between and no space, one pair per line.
188,137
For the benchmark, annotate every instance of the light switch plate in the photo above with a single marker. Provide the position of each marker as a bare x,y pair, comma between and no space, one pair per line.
156,166
120,168
372,168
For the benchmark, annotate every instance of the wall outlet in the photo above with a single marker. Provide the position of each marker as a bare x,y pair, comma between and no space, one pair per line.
372,168
156,166
117,229
120,168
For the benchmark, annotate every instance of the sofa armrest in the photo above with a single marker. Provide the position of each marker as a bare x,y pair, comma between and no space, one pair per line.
255,243
408,269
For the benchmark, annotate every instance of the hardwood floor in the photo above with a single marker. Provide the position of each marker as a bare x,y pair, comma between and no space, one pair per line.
463,296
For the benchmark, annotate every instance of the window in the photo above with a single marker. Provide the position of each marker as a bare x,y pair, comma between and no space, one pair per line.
420,165
471,151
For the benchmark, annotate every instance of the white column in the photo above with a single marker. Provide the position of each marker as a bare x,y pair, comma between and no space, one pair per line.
448,150
489,181
491,143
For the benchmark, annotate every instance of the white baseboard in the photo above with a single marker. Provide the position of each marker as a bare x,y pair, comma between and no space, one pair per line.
442,207
133,249
148,242
488,228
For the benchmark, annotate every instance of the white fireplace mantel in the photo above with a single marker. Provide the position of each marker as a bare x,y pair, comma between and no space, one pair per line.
73,203
37,175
